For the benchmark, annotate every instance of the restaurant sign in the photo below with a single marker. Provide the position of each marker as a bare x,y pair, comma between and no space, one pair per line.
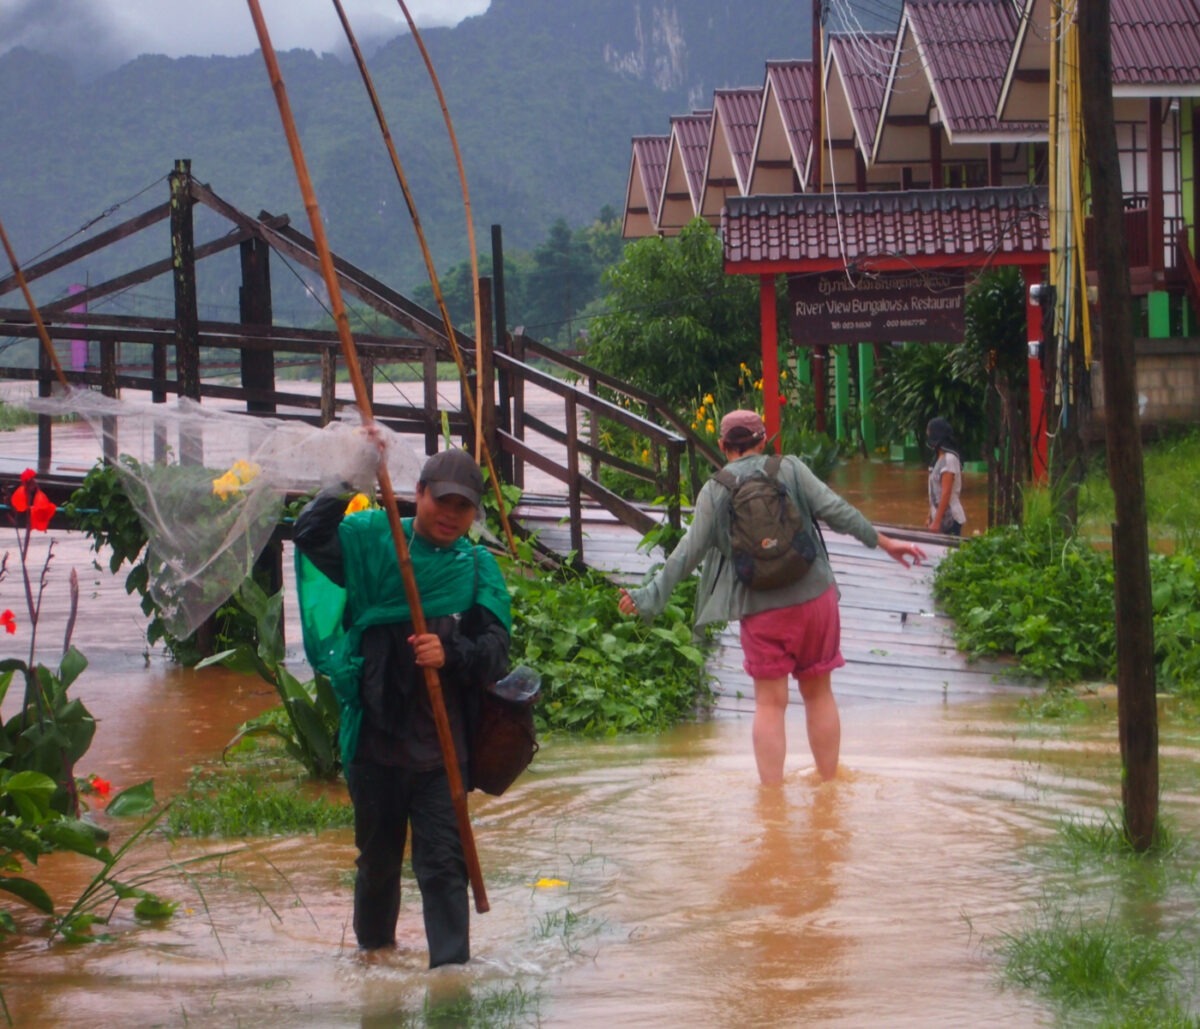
890,307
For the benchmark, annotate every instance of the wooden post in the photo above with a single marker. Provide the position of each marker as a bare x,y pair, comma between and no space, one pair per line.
486,388
433,427
254,308
1137,711
820,359
45,386
770,355
328,385
502,345
518,406
574,495
183,263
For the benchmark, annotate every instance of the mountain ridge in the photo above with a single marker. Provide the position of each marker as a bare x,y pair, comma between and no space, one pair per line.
545,97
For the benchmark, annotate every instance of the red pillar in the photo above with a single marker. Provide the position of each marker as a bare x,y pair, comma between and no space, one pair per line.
770,355
1039,466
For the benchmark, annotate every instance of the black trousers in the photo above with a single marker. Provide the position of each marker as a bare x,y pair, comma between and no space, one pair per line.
386,800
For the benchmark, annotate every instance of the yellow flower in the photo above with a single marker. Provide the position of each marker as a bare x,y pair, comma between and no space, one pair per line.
358,502
783,375
545,884
709,426
226,486
700,412
758,384
646,455
708,398
244,471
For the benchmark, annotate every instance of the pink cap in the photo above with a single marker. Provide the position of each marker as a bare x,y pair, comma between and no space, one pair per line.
742,427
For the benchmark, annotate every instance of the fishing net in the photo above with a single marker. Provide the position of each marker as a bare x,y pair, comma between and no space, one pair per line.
210,486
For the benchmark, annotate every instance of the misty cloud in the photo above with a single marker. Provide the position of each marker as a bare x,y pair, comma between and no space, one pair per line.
99,34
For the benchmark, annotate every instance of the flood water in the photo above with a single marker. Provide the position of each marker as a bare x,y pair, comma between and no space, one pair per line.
632,882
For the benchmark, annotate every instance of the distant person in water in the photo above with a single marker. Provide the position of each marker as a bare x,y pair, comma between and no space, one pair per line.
793,629
946,514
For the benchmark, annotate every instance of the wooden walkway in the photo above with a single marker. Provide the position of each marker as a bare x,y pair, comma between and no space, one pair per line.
898,647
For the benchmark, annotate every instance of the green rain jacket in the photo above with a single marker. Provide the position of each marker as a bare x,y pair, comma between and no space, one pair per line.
449,580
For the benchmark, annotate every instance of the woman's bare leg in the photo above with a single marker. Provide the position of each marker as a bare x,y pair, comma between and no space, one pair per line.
823,723
770,734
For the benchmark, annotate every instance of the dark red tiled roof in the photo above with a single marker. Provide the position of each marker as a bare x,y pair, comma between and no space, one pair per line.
879,231
863,59
650,160
735,111
965,46
1155,43
689,137
791,84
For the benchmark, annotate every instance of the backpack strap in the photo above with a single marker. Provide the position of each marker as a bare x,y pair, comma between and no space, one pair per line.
726,478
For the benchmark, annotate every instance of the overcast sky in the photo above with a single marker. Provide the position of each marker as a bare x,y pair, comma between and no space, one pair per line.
102,33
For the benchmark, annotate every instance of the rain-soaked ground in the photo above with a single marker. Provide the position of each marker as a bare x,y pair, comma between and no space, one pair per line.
632,882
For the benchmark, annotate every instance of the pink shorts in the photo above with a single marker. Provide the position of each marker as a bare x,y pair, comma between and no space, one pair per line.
804,640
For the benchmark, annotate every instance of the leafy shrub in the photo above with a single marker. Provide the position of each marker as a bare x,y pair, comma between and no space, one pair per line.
602,673
1175,588
1035,594
1048,600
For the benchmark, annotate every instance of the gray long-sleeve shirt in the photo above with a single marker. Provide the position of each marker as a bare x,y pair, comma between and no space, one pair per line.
721,598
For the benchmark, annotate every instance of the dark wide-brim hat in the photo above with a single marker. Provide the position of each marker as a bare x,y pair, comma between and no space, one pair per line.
453,473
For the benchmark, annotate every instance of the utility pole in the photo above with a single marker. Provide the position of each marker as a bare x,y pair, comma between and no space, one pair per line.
1137,713
816,179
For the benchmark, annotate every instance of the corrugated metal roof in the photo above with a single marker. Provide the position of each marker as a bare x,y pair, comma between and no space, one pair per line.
735,112
643,193
689,139
789,83
965,47
878,230
1155,43
650,158
862,60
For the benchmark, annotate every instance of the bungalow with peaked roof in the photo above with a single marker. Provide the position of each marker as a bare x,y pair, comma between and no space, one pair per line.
959,99
730,148
938,126
783,142
856,74
647,169
683,180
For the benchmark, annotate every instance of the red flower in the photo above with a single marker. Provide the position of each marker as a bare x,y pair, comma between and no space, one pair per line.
101,786
8,621
41,510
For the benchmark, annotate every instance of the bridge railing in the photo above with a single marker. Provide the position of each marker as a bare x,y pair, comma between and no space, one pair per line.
576,434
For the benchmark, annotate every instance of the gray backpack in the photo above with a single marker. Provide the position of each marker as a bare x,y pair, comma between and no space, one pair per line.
771,544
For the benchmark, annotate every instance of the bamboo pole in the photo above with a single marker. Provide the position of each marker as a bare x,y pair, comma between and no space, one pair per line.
43,335
473,406
432,680
462,178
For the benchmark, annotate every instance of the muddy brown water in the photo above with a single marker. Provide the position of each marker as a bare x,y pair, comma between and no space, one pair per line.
632,882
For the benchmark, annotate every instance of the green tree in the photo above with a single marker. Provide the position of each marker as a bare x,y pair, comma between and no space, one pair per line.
564,277
675,320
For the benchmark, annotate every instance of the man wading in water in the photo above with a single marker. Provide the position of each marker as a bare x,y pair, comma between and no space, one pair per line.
790,630
388,737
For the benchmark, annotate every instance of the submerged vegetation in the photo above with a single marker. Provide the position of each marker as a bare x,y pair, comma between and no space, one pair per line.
1046,597
1108,955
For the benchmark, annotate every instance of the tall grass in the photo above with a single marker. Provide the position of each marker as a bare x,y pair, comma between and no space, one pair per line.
1172,470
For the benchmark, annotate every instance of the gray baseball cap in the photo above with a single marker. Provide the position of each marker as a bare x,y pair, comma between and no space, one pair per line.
453,472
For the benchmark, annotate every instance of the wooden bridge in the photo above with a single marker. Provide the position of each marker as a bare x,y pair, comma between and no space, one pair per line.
160,358
544,424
